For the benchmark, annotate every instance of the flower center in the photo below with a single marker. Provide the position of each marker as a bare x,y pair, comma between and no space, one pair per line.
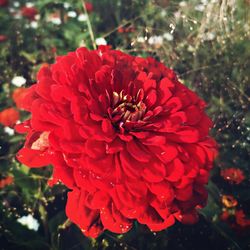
127,108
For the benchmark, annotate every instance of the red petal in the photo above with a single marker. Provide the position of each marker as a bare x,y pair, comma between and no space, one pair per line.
193,115
151,98
174,170
184,194
154,171
137,188
97,200
186,135
138,151
114,221
154,140
95,149
33,158
164,86
166,153
107,127
163,190
161,226
127,164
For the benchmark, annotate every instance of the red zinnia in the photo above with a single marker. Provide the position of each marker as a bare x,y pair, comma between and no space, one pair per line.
4,3
124,135
9,117
89,7
18,96
29,12
126,29
224,215
3,38
6,181
241,219
233,175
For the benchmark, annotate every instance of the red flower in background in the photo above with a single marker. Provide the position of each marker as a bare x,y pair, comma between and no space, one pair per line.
6,181
126,29
4,3
241,219
236,219
3,38
18,96
124,135
233,175
224,215
89,7
9,117
29,12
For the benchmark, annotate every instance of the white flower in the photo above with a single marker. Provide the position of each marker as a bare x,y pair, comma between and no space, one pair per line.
209,36
72,14
200,7
18,81
163,13
9,131
16,4
34,24
29,4
205,2
140,39
66,5
168,36
82,18
100,41
183,4
55,20
155,40
191,48
29,221
11,10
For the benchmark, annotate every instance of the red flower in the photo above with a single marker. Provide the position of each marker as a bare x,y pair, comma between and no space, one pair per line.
89,7
125,135
241,219
224,215
6,181
236,219
18,96
233,175
9,117
3,38
4,3
126,29
29,12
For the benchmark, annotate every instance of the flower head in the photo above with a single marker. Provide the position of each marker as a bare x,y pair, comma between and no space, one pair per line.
4,3
6,181
3,38
89,7
18,81
18,96
9,117
241,218
29,221
128,139
29,12
233,175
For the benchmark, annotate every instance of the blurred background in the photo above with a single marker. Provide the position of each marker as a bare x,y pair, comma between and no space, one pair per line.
207,43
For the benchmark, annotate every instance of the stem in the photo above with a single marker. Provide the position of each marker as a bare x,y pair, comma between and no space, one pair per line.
91,33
